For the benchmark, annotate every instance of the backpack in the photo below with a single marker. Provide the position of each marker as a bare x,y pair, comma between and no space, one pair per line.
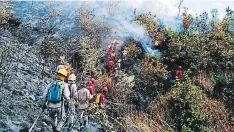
55,92
98,98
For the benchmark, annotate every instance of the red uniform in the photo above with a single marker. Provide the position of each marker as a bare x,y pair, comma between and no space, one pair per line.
110,66
110,50
112,47
91,88
103,99
179,73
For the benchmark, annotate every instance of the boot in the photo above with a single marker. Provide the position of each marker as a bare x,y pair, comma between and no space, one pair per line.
54,129
85,123
81,128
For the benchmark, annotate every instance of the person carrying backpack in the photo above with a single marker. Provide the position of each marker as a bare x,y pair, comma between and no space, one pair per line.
83,97
73,95
101,98
55,95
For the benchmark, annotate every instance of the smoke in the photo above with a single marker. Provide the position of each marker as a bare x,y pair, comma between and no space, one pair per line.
119,16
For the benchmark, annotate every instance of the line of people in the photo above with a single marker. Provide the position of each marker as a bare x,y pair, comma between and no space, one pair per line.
62,98
112,66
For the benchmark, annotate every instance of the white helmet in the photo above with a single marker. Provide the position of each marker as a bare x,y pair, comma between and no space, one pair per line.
72,77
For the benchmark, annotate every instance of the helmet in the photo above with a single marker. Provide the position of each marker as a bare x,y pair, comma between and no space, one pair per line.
119,61
180,67
92,79
72,77
156,43
62,72
105,89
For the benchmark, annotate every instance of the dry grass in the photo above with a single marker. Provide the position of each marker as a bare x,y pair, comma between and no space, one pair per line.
206,81
216,114
141,123
116,91
157,110
105,81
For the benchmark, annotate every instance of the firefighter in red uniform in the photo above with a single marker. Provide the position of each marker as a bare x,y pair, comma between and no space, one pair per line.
179,73
112,48
110,66
91,86
103,100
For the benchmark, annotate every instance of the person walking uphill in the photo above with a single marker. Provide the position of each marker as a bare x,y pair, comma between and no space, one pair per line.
73,95
55,94
83,97
110,66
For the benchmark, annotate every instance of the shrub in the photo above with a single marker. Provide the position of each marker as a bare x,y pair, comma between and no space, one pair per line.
216,115
91,57
184,111
132,53
152,78
52,48
7,19
220,85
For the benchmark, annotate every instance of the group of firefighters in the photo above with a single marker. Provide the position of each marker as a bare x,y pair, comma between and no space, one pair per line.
63,99
112,66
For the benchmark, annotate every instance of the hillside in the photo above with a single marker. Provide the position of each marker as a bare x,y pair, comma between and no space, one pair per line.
145,95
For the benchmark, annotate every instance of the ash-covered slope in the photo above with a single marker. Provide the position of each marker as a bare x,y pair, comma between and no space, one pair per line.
19,95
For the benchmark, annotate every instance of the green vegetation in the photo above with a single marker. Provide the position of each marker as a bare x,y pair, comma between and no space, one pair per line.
143,97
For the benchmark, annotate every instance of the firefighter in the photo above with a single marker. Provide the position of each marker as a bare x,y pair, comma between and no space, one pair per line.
110,66
179,73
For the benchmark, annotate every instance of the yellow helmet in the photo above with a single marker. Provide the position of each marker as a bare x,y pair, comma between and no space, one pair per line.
119,61
156,43
62,72
72,77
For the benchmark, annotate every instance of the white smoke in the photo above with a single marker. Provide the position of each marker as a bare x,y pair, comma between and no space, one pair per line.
119,16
